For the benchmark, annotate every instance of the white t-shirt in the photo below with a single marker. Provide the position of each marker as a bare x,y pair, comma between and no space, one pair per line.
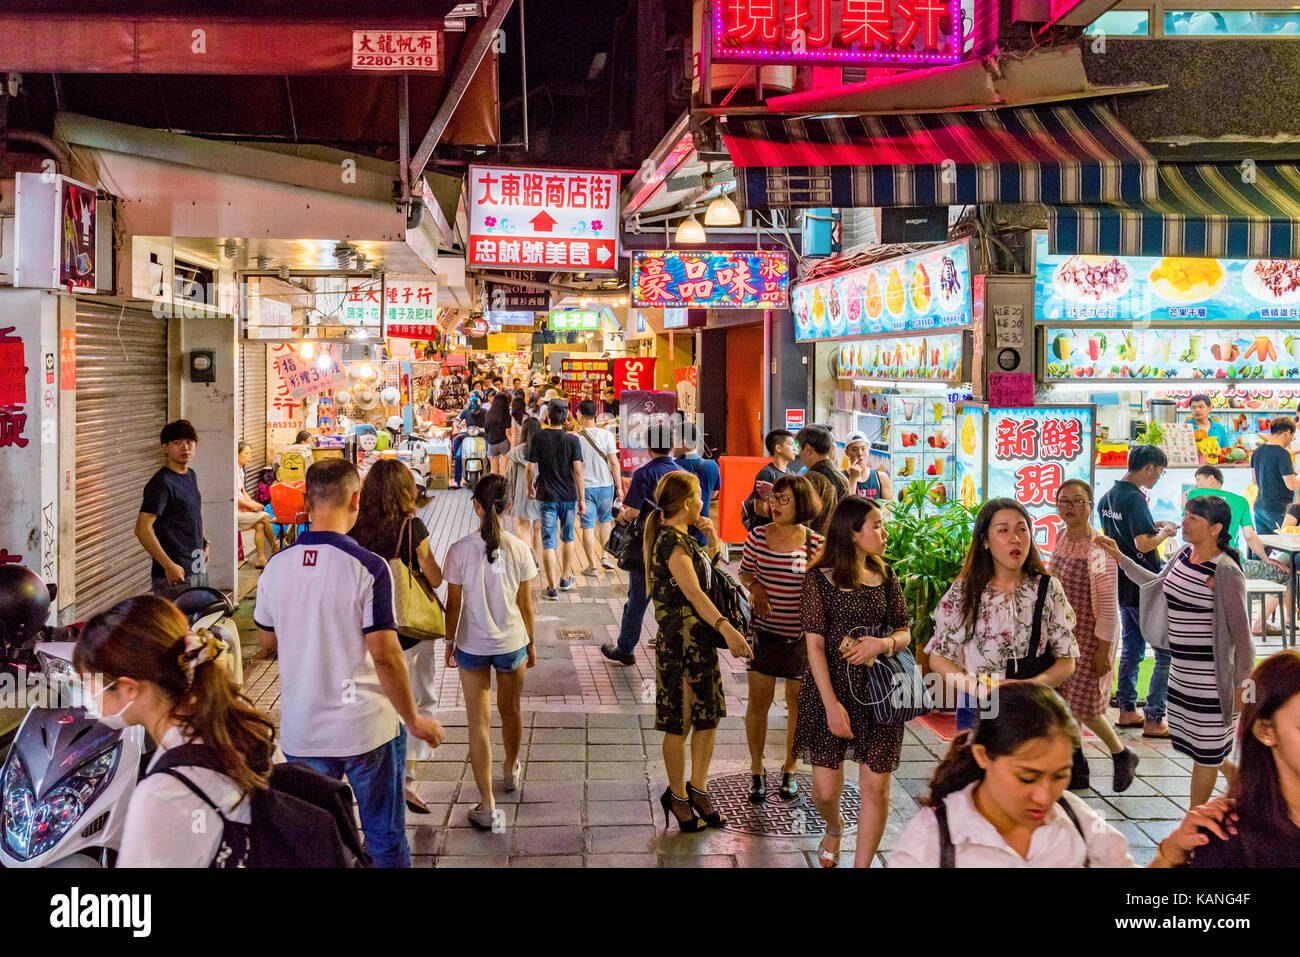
976,842
595,468
322,596
490,622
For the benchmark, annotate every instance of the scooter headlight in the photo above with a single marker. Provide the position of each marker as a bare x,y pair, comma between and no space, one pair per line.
32,827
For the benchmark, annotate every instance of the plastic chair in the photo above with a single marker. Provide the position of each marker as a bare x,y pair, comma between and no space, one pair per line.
289,506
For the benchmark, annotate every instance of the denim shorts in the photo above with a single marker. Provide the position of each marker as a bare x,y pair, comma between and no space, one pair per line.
561,512
511,662
600,506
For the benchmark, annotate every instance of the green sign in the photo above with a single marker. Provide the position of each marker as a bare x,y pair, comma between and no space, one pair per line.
575,320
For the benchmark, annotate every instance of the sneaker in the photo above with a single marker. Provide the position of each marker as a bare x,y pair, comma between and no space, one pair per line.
481,818
566,584
550,594
608,563
611,652
1126,763
590,572
512,778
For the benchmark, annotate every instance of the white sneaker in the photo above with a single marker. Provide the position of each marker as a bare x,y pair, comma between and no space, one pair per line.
608,563
512,778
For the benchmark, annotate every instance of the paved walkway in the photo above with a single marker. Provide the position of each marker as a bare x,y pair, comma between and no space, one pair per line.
592,764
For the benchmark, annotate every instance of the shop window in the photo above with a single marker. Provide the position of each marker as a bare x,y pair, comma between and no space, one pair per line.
1122,23
1236,23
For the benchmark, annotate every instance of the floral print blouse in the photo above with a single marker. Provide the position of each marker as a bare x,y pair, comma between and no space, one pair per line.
1003,627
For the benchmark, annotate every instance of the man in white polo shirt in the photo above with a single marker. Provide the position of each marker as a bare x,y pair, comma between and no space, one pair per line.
326,605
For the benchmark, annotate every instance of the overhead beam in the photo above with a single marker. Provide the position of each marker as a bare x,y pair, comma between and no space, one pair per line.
480,38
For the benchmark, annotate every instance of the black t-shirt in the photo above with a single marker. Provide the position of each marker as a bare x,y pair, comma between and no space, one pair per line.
1125,515
554,451
474,417
174,500
1265,850
497,430
1271,463
837,478
749,517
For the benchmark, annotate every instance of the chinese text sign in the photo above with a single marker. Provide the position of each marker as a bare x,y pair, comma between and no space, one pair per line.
718,280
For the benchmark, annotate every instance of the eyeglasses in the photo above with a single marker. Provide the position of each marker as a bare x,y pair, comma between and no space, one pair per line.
1072,502
782,500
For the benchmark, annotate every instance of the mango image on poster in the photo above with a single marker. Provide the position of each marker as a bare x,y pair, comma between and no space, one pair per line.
872,299
968,492
895,294
968,437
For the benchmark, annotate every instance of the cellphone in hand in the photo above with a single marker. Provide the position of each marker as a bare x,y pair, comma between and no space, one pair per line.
764,490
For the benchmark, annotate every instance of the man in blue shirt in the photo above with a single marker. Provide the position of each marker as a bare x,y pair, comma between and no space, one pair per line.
1200,409
706,470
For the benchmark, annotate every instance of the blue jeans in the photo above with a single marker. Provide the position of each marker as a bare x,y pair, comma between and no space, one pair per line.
455,454
553,513
508,662
379,783
1132,650
629,633
600,506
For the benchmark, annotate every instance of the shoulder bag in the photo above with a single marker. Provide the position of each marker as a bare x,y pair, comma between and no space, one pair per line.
894,690
625,541
728,596
1038,659
416,606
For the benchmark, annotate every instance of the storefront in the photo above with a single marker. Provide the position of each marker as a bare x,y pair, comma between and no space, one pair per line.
1146,334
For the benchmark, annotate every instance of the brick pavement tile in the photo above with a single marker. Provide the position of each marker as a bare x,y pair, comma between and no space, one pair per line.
1171,787
436,817
1148,808
731,736
647,721
622,860
623,840
486,860
536,841
616,752
915,769
459,817
552,771
557,752
423,860
709,841
731,752
440,771
450,752
915,787
615,770
619,812
770,859
708,860
559,736
474,842
556,860
437,792
469,792
457,734
613,721
1162,767
555,813
559,719
1103,776
617,791
542,791
424,840
599,735
1099,805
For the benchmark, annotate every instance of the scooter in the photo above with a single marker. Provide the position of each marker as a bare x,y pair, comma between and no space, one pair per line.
67,780
473,457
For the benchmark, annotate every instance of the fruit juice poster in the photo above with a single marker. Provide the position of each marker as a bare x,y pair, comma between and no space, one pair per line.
970,454
1032,452
1166,288
917,358
929,290
1184,355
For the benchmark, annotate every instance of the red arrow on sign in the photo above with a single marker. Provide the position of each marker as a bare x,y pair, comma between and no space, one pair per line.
542,222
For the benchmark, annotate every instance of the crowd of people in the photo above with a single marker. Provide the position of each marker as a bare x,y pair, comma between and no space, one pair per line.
1026,650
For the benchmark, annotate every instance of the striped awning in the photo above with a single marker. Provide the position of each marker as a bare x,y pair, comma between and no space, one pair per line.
1043,154
1248,211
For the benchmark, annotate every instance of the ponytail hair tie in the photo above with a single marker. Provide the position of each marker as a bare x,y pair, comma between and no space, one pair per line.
199,647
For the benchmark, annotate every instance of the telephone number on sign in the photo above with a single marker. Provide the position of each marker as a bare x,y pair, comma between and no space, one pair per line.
385,60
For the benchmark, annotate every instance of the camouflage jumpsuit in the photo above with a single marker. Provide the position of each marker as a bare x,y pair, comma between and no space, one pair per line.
684,646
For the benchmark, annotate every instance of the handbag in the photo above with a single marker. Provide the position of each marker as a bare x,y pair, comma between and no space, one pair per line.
894,689
625,541
728,596
416,605
1038,659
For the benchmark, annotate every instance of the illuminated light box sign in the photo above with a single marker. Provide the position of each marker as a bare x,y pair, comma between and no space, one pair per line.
1031,453
710,280
920,358
1172,288
1223,355
930,290
575,320
896,33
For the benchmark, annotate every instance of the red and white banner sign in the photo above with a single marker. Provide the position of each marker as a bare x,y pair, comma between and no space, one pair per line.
397,50
634,375
557,219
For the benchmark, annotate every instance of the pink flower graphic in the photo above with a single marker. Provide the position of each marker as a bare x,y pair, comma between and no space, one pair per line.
489,221
596,224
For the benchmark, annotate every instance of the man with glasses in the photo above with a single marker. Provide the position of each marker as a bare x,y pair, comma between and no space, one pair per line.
1126,517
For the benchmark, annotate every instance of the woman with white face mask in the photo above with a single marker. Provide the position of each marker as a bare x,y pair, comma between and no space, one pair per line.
141,665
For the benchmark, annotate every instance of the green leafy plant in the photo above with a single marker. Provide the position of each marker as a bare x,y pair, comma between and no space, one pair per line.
927,546
1153,434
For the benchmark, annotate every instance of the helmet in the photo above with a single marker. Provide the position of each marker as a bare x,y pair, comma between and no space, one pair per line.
24,603
395,423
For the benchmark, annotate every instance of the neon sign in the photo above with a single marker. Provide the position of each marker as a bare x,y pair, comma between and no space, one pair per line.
747,279
900,33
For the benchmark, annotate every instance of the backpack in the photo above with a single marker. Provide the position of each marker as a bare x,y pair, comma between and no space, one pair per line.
304,819
265,479
948,853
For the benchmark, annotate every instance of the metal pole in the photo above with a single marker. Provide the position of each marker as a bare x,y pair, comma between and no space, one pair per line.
523,62
404,136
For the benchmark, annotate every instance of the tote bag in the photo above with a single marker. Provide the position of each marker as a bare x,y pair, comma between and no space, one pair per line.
416,606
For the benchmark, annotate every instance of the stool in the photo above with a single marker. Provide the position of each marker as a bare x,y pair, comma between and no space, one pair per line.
1260,589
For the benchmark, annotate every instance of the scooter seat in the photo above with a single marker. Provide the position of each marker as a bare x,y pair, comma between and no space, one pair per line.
199,602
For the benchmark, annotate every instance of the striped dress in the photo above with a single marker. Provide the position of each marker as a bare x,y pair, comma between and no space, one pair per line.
1196,726
781,574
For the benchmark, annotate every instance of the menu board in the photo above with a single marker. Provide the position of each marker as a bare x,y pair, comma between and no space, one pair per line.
929,290
585,378
920,358
1167,288
1031,452
921,443
1225,355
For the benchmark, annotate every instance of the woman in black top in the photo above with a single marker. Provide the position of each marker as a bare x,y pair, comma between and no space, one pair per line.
518,412
498,431
388,513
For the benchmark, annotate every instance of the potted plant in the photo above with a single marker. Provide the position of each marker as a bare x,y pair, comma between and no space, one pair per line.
927,546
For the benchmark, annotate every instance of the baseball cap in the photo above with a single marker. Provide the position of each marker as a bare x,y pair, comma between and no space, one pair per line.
855,437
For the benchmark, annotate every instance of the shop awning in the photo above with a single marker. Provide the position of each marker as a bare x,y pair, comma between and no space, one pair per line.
1044,154
1249,211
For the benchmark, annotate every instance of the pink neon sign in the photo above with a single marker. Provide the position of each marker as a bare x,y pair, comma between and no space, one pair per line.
898,33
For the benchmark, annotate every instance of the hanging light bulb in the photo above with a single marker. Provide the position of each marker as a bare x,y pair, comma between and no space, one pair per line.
307,350
689,231
722,212
367,370
323,363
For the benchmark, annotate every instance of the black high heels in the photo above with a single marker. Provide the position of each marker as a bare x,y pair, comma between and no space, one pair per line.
758,790
789,786
671,802
704,807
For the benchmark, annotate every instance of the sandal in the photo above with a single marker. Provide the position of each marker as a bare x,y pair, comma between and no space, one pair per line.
414,802
824,857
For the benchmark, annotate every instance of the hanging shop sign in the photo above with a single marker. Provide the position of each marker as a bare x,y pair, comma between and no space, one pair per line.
505,298
639,411
575,320
474,327
407,51
55,233
930,290
921,358
307,377
510,322
552,219
743,279
1031,452
688,388
410,309
1227,355
897,33
674,318
1172,288
633,375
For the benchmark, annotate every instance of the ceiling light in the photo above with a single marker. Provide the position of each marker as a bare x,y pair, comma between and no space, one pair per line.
323,363
722,212
284,272
689,231
307,350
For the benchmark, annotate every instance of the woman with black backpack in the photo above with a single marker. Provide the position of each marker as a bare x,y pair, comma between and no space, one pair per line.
144,666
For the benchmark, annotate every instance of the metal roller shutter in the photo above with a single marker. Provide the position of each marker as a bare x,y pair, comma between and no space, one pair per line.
252,408
121,408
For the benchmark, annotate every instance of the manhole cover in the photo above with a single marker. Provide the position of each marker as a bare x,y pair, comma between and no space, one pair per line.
575,634
775,817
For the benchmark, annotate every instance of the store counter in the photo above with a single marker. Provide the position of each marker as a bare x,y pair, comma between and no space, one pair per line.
1166,499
